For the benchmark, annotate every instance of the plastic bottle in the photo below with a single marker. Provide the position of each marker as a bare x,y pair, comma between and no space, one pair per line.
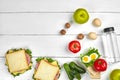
110,45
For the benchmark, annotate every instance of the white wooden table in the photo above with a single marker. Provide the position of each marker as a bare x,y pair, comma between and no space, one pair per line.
35,24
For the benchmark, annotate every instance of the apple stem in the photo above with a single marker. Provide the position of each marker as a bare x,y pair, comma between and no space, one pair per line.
100,62
75,45
81,15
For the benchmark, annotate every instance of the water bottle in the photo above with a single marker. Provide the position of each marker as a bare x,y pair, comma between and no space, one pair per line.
110,45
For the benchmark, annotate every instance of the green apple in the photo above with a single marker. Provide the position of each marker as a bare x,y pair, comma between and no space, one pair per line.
81,16
115,74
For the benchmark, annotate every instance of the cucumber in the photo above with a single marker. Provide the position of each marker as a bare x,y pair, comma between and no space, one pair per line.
74,66
78,76
68,71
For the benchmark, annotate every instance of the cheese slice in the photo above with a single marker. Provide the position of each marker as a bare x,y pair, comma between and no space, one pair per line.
93,74
17,61
46,71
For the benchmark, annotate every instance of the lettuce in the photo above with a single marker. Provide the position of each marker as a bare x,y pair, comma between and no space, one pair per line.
88,53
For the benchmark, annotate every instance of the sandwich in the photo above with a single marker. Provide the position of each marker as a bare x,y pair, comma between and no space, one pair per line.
46,69
88,59
18,61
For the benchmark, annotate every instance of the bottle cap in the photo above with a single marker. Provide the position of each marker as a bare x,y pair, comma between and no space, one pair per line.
109,29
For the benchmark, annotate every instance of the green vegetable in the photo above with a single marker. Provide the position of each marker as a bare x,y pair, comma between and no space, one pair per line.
39,59
75,73
73,70
28,51
48,59
68,71
78,76
15,74
74,66
90,51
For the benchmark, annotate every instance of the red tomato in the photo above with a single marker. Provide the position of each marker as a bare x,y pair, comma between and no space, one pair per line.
100,65
74,46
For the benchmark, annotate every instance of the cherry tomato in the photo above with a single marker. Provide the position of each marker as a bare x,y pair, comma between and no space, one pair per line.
100,65
74,46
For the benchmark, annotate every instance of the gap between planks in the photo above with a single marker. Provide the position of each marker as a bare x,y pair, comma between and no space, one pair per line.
47,56
44,35
109,63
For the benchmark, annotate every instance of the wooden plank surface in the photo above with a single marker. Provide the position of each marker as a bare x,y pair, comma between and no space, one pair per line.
35,24
52,23
52,46
58,5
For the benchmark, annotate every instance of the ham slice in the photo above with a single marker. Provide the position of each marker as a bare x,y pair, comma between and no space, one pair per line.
37,65
57,76
28,58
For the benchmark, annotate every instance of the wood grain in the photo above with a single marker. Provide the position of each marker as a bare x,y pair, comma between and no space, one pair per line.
58,5
52,46
52,23
35,24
